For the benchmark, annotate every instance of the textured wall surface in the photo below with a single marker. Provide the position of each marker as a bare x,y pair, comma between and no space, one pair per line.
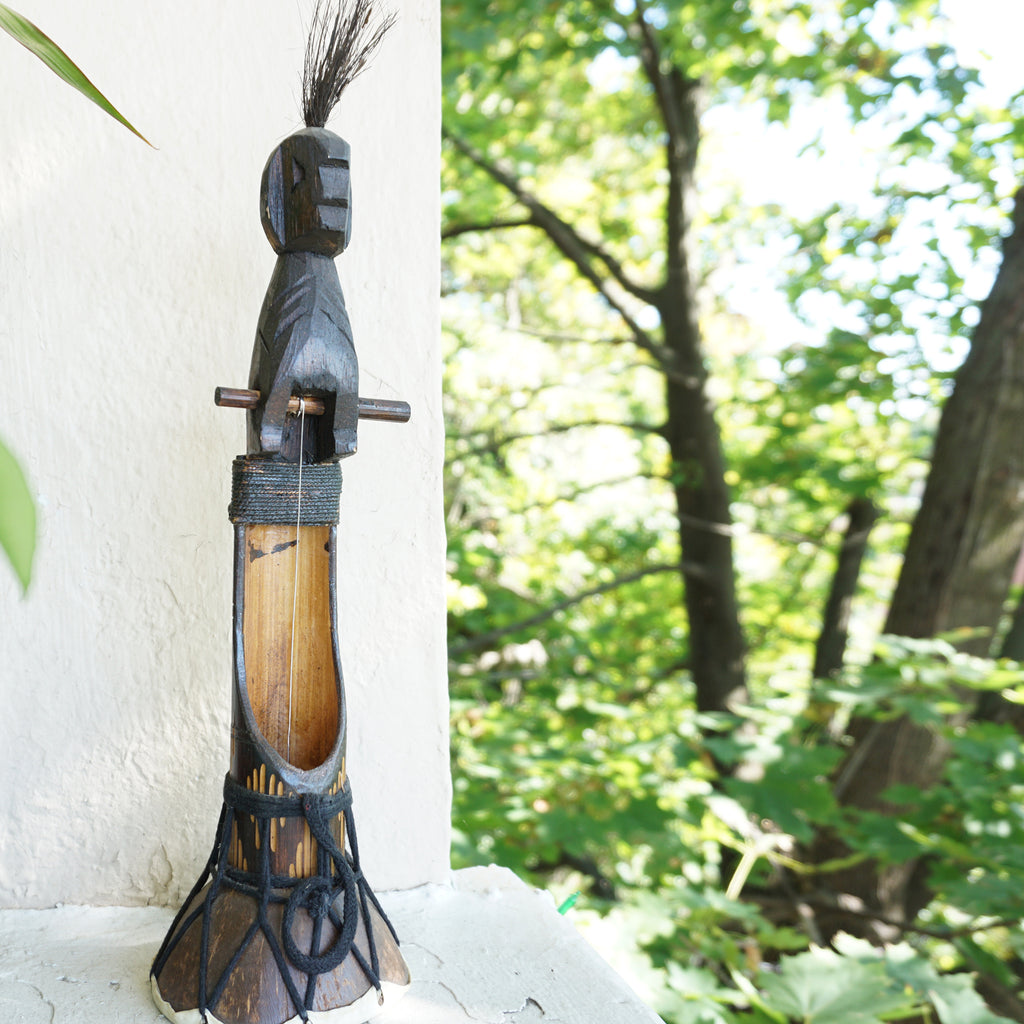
131,281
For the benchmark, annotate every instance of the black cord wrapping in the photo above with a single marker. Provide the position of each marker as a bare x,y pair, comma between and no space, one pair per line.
267,491
338,874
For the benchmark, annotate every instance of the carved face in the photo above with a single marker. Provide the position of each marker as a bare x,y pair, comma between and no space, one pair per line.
305,194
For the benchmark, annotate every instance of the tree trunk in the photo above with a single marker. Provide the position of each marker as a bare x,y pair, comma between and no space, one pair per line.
702,500
958,566
968,532
716,642
993,706
835,627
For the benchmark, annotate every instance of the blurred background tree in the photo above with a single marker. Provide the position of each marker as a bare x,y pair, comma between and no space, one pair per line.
711,271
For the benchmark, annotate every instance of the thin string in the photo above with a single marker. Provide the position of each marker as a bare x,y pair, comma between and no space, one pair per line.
295,591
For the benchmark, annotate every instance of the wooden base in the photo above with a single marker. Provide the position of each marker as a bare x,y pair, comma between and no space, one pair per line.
359,1012
256,993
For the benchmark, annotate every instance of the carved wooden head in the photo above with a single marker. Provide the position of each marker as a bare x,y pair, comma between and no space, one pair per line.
306,193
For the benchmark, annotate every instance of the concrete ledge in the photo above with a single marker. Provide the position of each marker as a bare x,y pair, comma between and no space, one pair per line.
485,948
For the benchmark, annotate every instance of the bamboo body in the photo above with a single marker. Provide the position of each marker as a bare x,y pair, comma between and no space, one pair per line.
288,739
288,694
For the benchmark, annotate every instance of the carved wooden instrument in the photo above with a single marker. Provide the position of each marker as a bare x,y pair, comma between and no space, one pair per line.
282,923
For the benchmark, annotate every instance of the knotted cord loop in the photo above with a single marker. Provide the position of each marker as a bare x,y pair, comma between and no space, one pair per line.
316,896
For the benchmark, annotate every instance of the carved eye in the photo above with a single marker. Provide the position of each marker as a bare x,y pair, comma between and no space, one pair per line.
298,174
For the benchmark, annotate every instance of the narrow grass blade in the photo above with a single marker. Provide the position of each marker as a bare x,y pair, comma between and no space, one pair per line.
37,42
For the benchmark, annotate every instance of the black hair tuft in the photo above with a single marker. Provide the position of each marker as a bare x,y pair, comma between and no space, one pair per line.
342,38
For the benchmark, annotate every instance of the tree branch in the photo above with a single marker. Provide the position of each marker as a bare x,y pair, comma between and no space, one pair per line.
664,91
559,337
580,252
676,97
485,640
556,428
613,266
577,492
454,230
843,903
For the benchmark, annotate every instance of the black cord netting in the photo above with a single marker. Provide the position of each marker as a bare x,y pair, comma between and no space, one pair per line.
338,874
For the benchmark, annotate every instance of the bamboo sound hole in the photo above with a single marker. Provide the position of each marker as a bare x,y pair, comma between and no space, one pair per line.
290,673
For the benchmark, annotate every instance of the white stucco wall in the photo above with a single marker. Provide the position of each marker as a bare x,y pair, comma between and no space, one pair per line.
131,279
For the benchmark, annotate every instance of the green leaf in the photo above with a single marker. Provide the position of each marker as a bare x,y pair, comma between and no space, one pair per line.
822,987
953,995
17,517
37,42
956,1002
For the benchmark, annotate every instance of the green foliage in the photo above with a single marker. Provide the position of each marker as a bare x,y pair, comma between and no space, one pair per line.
822,987
859,984
584,784
830,333
578,758
17,517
